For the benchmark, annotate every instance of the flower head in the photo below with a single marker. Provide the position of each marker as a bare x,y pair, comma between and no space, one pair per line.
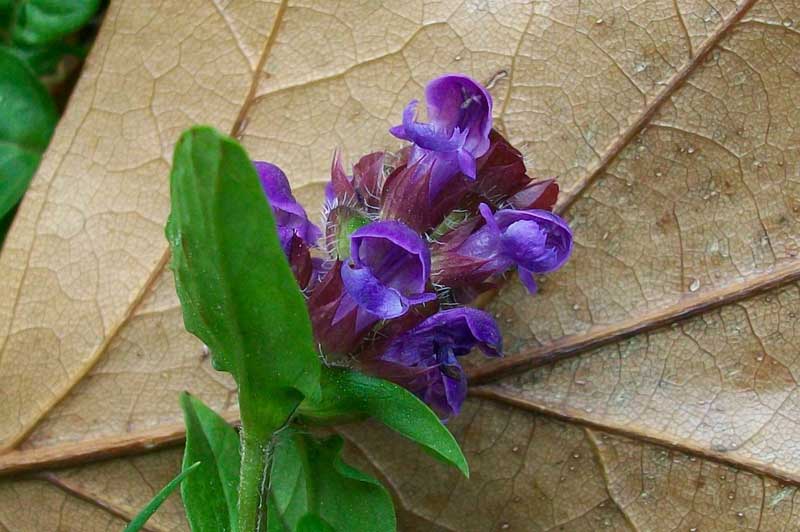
455,210
425,359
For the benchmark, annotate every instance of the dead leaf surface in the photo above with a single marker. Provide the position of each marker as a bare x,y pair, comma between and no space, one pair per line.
652,384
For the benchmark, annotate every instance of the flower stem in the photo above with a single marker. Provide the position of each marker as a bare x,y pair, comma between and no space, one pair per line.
252,480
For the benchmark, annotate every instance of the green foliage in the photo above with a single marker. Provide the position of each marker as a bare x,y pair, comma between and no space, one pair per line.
347,394
239,296
235,285
33,40
27,119
210,497
141,518
313,489
45,21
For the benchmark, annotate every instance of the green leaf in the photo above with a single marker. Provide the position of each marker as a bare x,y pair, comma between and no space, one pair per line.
210,496
309,477
141,518
43,59
236,288
27,119
347,394
313,523
5,224
43,21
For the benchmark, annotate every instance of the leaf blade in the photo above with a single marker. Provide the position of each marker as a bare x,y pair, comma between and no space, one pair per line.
27,119
44,21
236,288
346,393
309,477
210,498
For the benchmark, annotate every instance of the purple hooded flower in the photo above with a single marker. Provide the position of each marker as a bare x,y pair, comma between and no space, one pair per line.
460,119
533,241
388,269
290,217
424,359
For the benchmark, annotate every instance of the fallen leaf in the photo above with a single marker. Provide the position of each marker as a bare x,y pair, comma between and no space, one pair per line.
651,385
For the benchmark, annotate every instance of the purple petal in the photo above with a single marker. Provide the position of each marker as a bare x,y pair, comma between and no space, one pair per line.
290,217
457,101
428,136
558,242
465,328
526,277
372,295
395,254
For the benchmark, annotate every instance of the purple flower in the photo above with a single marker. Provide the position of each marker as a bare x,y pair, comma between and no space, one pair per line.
460,114
290,217
424,360
533,241
388,269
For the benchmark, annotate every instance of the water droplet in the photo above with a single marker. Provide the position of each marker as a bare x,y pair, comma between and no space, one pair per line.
739,514
516,498
722,477
458,58
576,307
515,449
692,459
658,174
693,529
690,150
731,496
562,479
576,456
599,21
640,67
505,526
787,22
605,235
572,468
695,285
759,358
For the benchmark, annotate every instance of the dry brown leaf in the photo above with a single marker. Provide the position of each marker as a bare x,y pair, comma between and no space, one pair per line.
672,127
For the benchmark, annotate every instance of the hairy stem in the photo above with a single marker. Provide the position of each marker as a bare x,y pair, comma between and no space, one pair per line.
252,481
